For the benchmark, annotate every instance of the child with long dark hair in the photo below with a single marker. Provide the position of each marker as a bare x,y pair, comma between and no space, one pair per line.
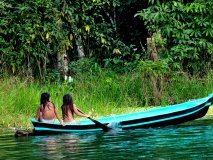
68,110
47,111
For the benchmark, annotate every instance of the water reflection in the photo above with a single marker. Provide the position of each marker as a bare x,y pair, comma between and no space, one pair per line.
56,146
188,141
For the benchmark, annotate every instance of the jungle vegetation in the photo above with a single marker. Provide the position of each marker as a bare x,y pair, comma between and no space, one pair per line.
144,52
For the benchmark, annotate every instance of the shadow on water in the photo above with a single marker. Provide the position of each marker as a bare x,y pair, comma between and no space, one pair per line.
192,140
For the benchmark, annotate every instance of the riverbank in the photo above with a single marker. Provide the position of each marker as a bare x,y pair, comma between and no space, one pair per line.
99,95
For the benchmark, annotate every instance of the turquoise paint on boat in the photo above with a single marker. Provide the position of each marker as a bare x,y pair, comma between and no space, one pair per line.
158,117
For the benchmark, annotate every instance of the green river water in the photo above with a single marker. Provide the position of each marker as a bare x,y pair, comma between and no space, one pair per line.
191,141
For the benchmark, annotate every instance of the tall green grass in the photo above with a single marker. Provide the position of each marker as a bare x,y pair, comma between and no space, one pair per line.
100,94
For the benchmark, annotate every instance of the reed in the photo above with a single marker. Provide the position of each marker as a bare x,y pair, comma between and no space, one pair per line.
99,94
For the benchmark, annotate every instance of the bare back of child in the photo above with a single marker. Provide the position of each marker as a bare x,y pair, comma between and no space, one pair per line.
47,111
68,110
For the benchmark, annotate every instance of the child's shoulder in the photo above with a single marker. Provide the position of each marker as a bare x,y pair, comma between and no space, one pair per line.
40,106
50,104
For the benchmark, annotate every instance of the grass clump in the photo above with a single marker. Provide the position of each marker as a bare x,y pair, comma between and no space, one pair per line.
100,94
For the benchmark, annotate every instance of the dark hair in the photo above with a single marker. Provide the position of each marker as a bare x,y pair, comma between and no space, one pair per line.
45,97
67,105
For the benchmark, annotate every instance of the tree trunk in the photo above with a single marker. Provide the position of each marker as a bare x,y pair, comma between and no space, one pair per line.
62,57
62,62
78,42
77,38
112,20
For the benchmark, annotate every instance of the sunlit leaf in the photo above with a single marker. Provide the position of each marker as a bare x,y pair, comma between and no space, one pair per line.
47,35
71,37
58,21
42,38
13,69
103,40
87,28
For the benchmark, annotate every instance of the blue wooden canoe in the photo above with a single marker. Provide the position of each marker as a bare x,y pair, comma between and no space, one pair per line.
163,116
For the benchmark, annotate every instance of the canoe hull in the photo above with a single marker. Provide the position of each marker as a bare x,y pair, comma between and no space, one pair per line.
163,116
168,121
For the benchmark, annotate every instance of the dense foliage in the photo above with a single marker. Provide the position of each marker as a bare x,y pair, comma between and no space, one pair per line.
186,32
36,36
34,33
167,45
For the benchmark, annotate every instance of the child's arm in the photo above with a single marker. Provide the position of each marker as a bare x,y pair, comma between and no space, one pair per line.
38,114
59,118
79,113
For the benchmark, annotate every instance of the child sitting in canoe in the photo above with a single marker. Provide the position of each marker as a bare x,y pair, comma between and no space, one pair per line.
47,111
68,110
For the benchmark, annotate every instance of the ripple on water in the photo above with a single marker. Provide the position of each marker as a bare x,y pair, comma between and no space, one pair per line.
188,141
